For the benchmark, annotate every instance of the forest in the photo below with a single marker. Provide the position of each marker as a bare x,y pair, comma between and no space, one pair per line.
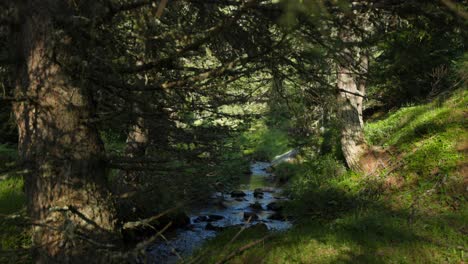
233,131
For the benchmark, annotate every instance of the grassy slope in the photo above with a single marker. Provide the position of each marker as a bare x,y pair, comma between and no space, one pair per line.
416,213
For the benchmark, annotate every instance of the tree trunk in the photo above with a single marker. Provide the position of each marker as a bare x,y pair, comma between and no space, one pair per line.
67,196
129,182
351,87
351,84
137,143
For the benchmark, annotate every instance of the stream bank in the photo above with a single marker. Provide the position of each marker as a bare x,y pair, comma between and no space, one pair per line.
257,199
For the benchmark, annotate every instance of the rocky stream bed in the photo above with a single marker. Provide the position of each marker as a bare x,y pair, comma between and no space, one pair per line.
257,200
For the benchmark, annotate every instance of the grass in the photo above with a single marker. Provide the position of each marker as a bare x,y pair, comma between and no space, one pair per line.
14,234
415,214
12,197
366,236
8,156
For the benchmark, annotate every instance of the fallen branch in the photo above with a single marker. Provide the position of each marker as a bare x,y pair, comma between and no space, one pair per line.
147,221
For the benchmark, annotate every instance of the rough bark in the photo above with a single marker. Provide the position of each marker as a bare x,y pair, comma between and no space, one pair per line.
137,143
67,196
130,181
351,83
351,87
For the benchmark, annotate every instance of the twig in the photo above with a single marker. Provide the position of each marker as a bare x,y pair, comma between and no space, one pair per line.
145,222
240,231
172,247
199,258
161,7
75,211
146,243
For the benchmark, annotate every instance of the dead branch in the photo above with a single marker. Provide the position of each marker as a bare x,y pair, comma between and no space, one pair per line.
147,221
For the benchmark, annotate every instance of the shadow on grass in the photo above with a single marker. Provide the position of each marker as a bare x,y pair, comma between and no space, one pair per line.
349,230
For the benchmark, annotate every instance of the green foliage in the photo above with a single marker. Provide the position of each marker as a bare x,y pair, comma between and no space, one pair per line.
14,232
113,141
312,187
331,140
12,197
285,171
264,143
416,60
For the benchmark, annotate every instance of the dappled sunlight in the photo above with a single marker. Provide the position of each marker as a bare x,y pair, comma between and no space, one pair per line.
233,131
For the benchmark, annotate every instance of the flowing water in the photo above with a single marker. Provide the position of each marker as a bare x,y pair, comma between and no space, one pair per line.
223,211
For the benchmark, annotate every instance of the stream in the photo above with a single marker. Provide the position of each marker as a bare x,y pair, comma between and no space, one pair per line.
219,213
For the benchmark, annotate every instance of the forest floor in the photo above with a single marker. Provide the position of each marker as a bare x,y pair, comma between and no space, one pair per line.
413,211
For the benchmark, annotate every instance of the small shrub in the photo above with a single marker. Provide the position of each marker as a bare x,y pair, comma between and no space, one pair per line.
313,186
285,171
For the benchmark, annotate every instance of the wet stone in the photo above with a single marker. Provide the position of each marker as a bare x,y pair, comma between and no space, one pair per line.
212,227
258,196
250,215
237,194
212,218
201,218
258,193
274,206
256,206
208,218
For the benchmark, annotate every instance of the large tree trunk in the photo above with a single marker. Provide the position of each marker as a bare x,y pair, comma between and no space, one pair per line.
351,88
67,196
